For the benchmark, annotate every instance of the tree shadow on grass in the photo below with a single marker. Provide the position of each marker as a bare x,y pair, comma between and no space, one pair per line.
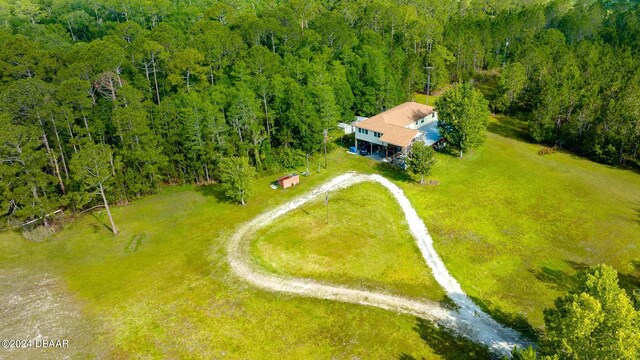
629,282
393,172
565,282
344,141
447,344
559,279
323,221
634,281
104,224
626,281
450,151
515,321
509,127
405,356
216,191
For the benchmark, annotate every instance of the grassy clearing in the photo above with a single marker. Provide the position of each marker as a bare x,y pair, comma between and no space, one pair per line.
422,98
514,226
511,225
172,294
366,244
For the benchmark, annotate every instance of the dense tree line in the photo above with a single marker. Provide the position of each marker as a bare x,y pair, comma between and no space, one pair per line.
578,81
167,89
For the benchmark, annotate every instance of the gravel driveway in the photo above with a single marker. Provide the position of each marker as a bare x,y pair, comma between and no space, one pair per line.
468,320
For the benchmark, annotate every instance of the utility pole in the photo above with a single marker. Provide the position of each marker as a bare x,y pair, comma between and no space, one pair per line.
326,203
307,164
326,137
429,68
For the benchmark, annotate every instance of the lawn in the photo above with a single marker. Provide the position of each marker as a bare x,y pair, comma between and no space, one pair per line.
512,226
366,244
172,294
422,98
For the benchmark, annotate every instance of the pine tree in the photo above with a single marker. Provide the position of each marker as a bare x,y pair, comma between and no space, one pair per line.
92,167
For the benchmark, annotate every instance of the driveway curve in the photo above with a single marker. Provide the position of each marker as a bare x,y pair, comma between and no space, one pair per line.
467,320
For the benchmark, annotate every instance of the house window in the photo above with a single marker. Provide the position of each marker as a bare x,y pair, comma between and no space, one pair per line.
377,134
433,115
363,131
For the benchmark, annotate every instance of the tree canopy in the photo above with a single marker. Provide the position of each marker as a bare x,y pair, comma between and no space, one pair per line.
595,320
421,159
171,87
463,116
237,175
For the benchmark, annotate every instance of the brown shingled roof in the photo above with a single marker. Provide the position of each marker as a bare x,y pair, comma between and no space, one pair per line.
399,136
393,123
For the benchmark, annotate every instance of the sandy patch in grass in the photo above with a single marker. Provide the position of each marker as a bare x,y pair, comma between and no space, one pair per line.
36,307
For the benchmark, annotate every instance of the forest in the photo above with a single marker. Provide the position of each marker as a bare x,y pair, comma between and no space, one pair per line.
116,97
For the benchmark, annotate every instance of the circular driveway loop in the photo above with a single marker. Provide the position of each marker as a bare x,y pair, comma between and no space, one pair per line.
468,320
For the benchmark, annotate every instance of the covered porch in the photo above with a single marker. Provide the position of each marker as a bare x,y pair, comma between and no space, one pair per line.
380,152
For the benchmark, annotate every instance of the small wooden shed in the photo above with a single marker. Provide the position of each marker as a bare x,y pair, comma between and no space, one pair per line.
288,181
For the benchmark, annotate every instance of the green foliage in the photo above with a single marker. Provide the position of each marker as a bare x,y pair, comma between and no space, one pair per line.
236,175
25,186
421,159
463,116
288,158
596,320
92,166
173,87
174,261
510,86
527,353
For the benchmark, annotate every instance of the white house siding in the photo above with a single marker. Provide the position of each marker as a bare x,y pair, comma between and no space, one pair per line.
425,120
421,126
368,137
347,128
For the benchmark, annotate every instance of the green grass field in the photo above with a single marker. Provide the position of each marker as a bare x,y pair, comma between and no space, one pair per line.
367,244
512,226
422,98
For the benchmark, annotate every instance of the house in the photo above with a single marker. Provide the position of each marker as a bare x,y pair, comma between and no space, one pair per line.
288,181
391,133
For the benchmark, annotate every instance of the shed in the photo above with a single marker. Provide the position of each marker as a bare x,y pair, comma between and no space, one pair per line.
347,128
288,181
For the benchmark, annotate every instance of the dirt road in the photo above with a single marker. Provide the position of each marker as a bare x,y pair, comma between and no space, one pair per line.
468,320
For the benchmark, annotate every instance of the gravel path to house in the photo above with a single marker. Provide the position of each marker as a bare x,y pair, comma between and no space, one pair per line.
468,320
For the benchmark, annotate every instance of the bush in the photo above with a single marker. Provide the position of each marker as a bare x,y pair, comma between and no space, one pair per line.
524,354
38,233
287,158
548,150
